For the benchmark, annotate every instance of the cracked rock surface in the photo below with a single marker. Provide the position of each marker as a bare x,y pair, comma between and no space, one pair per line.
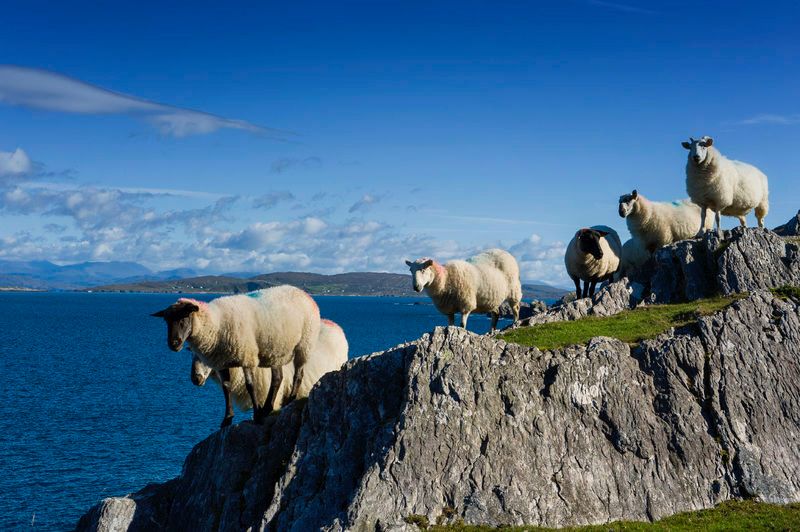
747,259
459,426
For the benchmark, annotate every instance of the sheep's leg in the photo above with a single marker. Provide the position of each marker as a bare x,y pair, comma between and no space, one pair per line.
585,289
225,381
258,411
276,373
515,310
495,317
761,213
719,225
577,286
464,317
591,287
702,230
451,319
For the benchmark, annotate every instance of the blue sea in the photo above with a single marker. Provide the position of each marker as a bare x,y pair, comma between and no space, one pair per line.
94,404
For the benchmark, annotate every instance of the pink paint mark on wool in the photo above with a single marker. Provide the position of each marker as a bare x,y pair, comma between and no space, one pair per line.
200,304
329,323
439,268
311,298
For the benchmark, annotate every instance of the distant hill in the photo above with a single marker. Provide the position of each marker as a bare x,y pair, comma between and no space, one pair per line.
346,284
118,276
44,275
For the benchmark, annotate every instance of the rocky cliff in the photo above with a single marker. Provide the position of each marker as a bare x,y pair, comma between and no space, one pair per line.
459,426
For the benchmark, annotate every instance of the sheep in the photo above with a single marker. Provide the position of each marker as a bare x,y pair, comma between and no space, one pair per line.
328,355
479,284
266,328
634,256
725,186
592,256
656,224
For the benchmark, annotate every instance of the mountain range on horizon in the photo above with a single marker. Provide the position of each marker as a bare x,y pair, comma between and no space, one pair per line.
121,276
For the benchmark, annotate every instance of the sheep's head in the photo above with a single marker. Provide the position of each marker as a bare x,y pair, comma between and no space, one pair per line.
589,241
627,203
422,273
179,322
698,149
200,371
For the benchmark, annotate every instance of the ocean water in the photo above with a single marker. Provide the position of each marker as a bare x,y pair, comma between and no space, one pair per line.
95,405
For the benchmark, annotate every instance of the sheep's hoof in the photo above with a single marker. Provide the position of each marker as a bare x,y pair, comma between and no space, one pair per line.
226,422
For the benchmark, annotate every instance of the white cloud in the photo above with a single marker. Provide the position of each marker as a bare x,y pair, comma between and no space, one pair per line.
15,163
42,89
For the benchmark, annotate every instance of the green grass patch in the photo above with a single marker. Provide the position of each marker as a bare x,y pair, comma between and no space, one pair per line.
730,515
630,326
785,292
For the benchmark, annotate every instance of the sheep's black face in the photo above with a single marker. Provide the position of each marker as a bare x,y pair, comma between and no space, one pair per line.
627,203
589,242
179,323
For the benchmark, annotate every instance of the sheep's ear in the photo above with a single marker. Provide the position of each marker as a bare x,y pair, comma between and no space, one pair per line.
191,307
159,314
709,141
409,263
603,233
635,193
427,263
687,145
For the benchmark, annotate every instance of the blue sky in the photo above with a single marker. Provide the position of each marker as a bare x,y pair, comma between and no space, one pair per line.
344,136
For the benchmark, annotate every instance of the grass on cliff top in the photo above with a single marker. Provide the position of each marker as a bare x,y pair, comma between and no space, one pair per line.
785,292
630,326
730,515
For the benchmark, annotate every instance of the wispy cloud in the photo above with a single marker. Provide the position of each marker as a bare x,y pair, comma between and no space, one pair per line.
767,118
271,199
285,163
364,203
622,7
42,89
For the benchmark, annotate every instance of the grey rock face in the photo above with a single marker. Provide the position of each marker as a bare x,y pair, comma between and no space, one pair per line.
526,310
790,228
460,426
747,259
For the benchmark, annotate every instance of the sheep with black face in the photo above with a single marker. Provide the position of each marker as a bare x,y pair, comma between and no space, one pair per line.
592,256
266,328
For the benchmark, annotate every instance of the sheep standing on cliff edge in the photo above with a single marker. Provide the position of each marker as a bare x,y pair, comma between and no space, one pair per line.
267,328
655,224
592,256
479,284
328,355
725,186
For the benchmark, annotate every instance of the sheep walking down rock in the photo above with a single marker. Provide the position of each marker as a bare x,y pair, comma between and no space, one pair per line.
656,224
725,186
479,284
592,256
265,328
328,355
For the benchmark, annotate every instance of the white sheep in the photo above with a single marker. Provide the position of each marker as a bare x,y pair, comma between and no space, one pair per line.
725,186
479,284
657,224
634,256
267,328
592,256
328,355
